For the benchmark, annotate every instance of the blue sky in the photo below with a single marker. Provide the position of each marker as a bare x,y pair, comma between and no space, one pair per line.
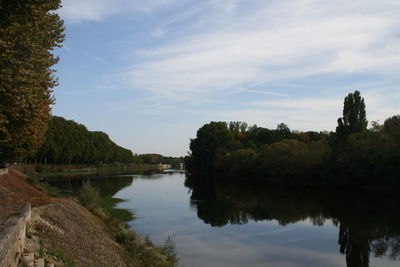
150,73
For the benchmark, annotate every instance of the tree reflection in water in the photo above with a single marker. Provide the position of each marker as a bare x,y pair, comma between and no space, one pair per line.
367,223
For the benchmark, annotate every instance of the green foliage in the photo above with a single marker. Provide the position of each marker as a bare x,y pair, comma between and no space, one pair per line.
29,30
89,196
41,248
354,118
237,163
108,205
39,168
242,153
391,129
61,255
69,142
169,250
151,158
69,263
369,157
287,159
144,252
352,155
50,190
212,139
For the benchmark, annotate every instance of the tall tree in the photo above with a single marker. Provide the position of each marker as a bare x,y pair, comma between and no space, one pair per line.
354,118
70,142
29,30
212,140
392,128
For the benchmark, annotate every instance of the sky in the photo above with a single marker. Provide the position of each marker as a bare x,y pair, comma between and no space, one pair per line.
151,73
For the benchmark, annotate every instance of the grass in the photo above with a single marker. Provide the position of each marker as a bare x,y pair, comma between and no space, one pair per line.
142,252
61,255
109,203
89,196
41,248
51,190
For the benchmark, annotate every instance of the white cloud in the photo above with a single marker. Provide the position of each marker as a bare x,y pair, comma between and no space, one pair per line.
311,113
269,41
158,32
215,57
76,11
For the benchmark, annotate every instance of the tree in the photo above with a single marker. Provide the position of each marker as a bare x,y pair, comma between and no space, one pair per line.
392,128
354,118
69,142
212,141
282,132
29,31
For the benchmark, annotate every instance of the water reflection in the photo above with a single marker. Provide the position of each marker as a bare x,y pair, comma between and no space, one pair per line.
368,225
107,185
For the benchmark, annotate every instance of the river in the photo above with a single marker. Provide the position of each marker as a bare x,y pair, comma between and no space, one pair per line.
241,226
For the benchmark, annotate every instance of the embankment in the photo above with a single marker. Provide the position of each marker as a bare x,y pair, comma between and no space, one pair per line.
12,237
3,171
64,233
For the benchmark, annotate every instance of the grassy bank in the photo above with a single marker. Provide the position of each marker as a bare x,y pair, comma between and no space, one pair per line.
142,251
137,251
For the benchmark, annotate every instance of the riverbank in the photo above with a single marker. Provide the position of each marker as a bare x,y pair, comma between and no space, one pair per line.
65,233
50,170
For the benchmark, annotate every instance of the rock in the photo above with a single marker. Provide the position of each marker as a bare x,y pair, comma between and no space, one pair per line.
39,262
28,258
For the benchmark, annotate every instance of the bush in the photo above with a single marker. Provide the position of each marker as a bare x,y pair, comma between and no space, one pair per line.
89,196
169,250
39,168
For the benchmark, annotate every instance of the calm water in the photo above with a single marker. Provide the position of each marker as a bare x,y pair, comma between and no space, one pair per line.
258,226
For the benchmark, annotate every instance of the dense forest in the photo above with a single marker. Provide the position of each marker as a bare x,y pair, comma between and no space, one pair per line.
351,154
68,142
152,158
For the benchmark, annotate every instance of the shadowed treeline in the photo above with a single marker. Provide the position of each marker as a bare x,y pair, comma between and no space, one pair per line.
352,155
68,142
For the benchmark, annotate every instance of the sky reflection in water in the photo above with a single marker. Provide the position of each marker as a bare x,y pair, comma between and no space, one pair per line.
163,207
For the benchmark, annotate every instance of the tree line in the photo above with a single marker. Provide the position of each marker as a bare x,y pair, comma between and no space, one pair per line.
152,158
351,154
68,142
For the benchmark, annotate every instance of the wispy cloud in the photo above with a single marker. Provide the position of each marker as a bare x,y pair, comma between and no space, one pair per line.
76,11
272,41
310,113
96,58
263,62
158,32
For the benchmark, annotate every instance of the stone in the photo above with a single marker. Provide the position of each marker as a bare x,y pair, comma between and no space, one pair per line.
39,262
28,258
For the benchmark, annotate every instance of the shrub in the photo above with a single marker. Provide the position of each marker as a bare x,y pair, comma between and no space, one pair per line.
39,168
89,196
